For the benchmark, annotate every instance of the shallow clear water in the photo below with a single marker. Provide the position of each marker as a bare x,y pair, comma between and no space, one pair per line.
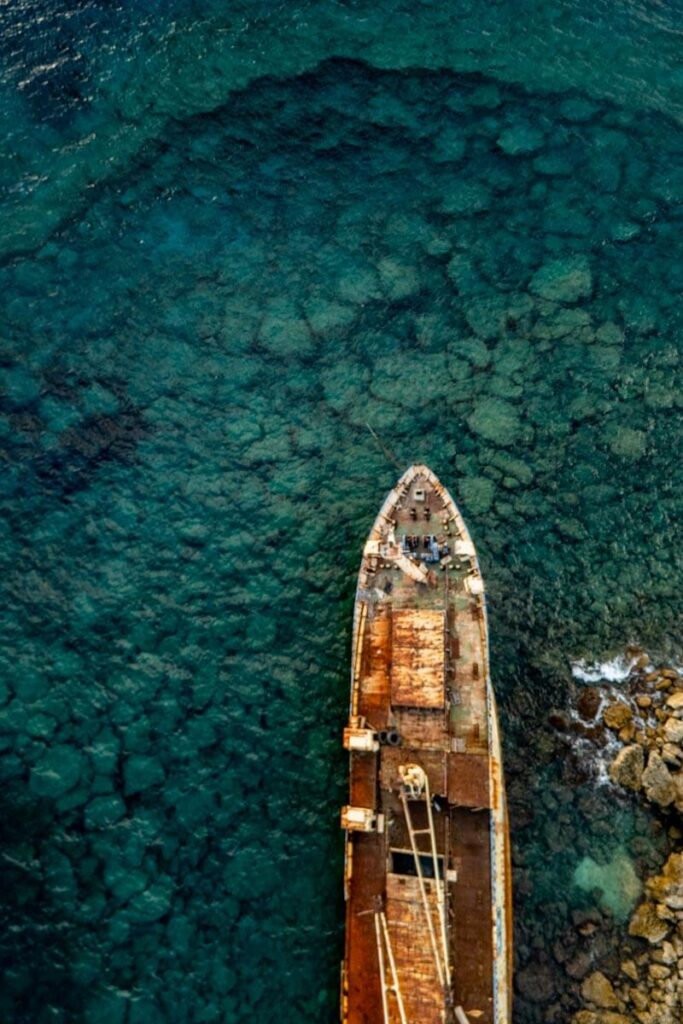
214,283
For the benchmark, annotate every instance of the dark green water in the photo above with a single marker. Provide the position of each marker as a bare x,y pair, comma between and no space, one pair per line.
226,256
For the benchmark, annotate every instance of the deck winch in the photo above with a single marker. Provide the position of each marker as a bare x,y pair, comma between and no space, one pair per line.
359,736
361,819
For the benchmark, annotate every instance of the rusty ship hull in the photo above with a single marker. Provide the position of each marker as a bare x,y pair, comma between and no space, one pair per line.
427,866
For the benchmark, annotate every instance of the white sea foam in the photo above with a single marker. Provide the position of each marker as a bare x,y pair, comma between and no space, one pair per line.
607,674
588,752
614,671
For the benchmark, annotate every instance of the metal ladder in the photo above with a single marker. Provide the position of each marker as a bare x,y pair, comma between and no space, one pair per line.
415,786
383,940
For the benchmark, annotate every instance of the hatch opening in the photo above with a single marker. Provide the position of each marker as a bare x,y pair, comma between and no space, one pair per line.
403,863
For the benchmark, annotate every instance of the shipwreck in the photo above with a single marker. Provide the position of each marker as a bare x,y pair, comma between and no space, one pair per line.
427,861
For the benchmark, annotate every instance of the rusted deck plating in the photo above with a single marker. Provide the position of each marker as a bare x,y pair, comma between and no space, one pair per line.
419,950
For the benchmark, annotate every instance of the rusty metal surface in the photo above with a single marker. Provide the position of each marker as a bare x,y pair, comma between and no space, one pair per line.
363,780
410,941
418,658
433,762
468,780
469,716
362,997
375,663
420,667
470,906
421,728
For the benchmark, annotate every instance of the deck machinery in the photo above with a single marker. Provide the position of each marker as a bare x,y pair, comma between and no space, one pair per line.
427,866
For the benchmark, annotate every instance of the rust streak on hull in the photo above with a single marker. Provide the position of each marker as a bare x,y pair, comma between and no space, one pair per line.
427,876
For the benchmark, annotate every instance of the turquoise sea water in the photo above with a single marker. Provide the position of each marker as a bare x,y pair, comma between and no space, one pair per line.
232,243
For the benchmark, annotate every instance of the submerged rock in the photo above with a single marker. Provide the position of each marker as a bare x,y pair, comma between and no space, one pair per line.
359,284
449,145
563,280
609,334
588,703
617,882
104,811
536,983
579,965
520,139
151,904
477,494
486,316
142,771
18,386
495,420
466,197
628,443
57,771
578,109
283,331
108,1007
399,280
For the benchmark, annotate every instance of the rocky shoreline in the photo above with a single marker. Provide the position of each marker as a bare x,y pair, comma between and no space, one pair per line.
646,718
